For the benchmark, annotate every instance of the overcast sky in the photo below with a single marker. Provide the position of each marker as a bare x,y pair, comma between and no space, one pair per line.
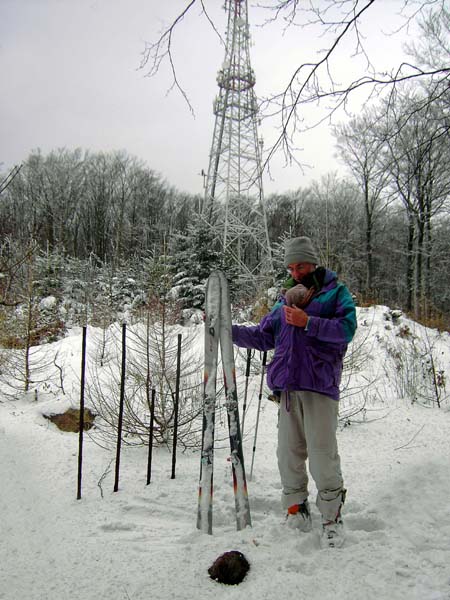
71,78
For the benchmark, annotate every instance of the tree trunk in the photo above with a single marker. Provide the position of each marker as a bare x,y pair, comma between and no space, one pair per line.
369,246
410,264
419,300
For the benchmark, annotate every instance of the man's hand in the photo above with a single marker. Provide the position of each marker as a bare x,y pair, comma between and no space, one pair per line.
295,316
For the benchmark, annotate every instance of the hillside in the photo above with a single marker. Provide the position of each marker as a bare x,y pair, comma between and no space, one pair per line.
141,542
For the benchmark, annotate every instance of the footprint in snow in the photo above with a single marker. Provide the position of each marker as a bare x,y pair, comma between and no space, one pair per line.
117,526
368,523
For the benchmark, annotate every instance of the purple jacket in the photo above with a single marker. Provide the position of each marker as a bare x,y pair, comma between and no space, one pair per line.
307,358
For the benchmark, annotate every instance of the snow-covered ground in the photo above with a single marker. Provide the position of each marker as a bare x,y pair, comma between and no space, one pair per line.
142,541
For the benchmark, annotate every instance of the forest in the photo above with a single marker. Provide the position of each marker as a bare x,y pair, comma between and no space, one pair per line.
91,237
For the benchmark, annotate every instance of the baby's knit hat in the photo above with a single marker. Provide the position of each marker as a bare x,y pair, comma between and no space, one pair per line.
298,296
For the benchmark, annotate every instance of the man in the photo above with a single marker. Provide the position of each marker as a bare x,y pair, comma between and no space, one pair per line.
310,344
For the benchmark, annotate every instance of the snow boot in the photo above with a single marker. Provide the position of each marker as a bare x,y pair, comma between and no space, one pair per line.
299,517
333,534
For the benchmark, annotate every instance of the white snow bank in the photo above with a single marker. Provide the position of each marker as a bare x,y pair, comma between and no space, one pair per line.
142,543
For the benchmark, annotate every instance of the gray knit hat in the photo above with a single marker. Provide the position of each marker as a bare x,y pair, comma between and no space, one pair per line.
299,250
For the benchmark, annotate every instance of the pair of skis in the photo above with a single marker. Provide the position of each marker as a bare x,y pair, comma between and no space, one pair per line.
218,330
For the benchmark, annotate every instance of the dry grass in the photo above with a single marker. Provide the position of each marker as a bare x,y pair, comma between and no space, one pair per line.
70,420
40,335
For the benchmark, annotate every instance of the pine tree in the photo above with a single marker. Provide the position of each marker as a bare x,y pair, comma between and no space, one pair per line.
195,256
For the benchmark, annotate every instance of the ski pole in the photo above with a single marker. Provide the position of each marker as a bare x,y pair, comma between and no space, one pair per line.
247,375
264,359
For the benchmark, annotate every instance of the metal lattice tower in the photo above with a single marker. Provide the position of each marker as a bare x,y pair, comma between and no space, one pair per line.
234,200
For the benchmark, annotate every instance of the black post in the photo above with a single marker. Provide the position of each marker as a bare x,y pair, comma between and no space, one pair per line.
80,440
150,440
177,401
121,405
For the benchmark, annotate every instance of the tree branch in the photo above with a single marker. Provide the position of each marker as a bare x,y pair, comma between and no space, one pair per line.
314,82
9,178
411,440
155,53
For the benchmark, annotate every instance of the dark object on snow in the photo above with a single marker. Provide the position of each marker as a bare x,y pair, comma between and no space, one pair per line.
230,568
70,420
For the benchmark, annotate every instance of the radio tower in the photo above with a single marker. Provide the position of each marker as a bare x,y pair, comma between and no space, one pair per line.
234,200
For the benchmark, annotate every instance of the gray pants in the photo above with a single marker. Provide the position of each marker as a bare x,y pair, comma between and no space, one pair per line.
307,429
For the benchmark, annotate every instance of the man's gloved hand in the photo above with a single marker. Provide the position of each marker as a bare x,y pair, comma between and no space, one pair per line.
295,316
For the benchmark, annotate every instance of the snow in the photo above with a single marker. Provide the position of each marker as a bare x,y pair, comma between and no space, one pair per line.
142,541
48,303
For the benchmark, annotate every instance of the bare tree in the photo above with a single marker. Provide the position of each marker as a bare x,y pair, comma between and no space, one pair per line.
104,204
417,162
334,223
285,212
360,148
337,23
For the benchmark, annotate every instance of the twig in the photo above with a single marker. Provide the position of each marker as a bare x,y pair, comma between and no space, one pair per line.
9,178
61,373
127,595
103,477
411,440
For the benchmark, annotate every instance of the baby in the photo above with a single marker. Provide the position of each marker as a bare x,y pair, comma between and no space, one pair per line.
299,296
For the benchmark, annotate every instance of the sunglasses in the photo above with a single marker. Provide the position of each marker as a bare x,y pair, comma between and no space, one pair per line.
298,267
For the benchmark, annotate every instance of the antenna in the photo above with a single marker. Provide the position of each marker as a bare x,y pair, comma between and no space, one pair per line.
234,200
